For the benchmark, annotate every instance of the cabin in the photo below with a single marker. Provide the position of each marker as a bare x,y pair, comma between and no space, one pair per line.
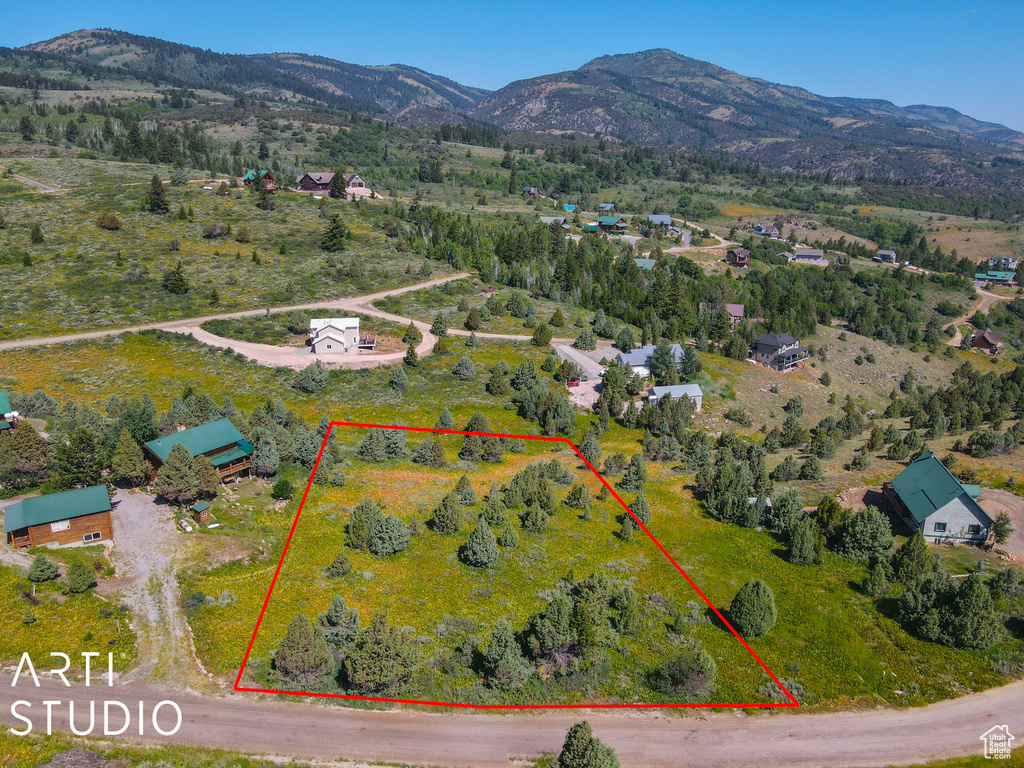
676,392
779,351
67,519
220,441
766,230
316,181
8,416
885,257
736,312
354,181
590,226
203,515
996,278
531,192
606,207
812,256
990,341
561,221
611,223
639,359
930,499
338,336
268,179
647,264
659,220
737,257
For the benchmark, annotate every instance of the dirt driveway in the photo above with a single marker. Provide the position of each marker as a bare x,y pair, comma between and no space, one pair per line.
994,501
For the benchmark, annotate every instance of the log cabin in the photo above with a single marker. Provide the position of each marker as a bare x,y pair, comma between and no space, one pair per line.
220,441
66,519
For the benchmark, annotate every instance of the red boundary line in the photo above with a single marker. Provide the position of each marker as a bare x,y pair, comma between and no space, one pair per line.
238,679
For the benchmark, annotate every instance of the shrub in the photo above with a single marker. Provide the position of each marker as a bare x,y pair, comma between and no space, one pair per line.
312,379
109,222
448,514
737,415
42,569
389,537
282,489
213,230
339,567
481,549
382,658
464,369
752,612
582,750
80,578
534,519
689,673
585,340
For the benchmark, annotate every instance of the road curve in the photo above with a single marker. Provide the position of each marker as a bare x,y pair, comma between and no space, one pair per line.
983,305
730,740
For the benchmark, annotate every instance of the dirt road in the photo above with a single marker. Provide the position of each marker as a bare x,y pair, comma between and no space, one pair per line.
866,738
986,302
38,184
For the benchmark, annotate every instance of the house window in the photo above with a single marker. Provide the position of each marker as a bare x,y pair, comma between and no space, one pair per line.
974,530
92,536
60,525
328,346
940,528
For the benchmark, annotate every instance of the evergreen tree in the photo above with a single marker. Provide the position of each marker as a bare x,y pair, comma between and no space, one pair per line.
444,419
509,537
466,493
911,562
971,620
448,514
394,443
494,510
464,369
866,535
79,461
803,543
80,577
312,379
389,537
339,624
430,453
334,235
582,750
472,448
542,335
42,569
557,319
265,459
175,280
689,673
411,359
338,190
578,497
177,480
811,469
372,448
473,320
585,340
28,456
156,199
128,464
303,658
625,341
209,478
412,335
339,567
363,521
382,658
439,325
399,380
876,584
591,449
504,665
752,611
481,549
635,476
641,508
534,519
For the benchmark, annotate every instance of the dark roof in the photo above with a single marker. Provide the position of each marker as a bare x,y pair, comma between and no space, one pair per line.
208,437
52,507
990,336
320,177
659,218
792,352
740,252
926,486
777,340
808,253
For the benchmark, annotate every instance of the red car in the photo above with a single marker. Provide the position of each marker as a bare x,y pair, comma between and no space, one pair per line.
572,383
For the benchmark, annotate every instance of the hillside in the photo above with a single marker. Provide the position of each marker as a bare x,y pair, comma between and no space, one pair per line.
657,97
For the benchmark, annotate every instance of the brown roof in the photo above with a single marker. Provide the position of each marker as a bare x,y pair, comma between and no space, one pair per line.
320,177
736,310
988,336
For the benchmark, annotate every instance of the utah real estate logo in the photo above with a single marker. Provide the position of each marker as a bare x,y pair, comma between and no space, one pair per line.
997,742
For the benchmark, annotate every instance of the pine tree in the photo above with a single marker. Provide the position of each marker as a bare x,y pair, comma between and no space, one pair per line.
877,583
752,611
175,280
439,325
557,319
473,320
411,359
641,508
534,519
494,510
363,521
578,497
493,449
448,514
390,537
582,750
394,443
504,665
334,235
430,453
444,419
177,480
80,577
399,380
509,537
972,621
28,455
466,493
625,341
542,335
338,189
266,459
312,379
464,369
591,449
303,658
156,198
42,569
866,535
412,335
339,624
209,479
128,464
372,448
339,567
635,476
472,448
382,658
481,549
803,543
79,461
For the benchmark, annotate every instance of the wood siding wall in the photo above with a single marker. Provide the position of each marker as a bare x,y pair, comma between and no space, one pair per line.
39,535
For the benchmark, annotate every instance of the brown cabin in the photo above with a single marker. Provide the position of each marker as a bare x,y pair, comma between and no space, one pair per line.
316,181
66,519
220,441
990,341
737,257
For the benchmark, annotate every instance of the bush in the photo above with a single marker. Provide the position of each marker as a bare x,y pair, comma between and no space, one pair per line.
737,415
689,673
213,230
585,340
42,569
109,222
582,750
752,612
481,549
339,567
464,369
312,379
80,578
282,490
390,536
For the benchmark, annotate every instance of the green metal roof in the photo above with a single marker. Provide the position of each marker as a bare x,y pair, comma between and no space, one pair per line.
994,275
608,221
208,437
5,402
5,425
926,486
52,507
200,506
244,448
645,263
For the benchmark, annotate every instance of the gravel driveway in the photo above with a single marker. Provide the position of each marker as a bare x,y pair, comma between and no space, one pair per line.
994,501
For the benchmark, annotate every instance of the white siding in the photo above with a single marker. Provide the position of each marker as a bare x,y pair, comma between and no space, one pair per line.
957,516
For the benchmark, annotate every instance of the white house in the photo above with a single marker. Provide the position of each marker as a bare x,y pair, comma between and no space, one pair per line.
639,358
334,336
676,392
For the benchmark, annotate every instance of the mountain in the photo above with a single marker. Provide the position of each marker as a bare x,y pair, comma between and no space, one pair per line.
388,90
661,97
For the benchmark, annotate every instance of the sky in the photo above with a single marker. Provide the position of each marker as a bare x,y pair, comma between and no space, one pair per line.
965,55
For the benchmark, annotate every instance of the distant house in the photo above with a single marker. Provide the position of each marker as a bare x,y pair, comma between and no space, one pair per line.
737,257
885,257
315,181
611,223
812,256
66,519
659,219
220,441
354,181
676,392
531,192
647,264
607,207
268,178
559,220
1004,263
8,417
993,277
766,230
930,499
779,351
736,312
640,358
990,341
590,226
338,336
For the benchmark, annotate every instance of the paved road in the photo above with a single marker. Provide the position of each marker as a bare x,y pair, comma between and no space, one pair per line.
867,738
